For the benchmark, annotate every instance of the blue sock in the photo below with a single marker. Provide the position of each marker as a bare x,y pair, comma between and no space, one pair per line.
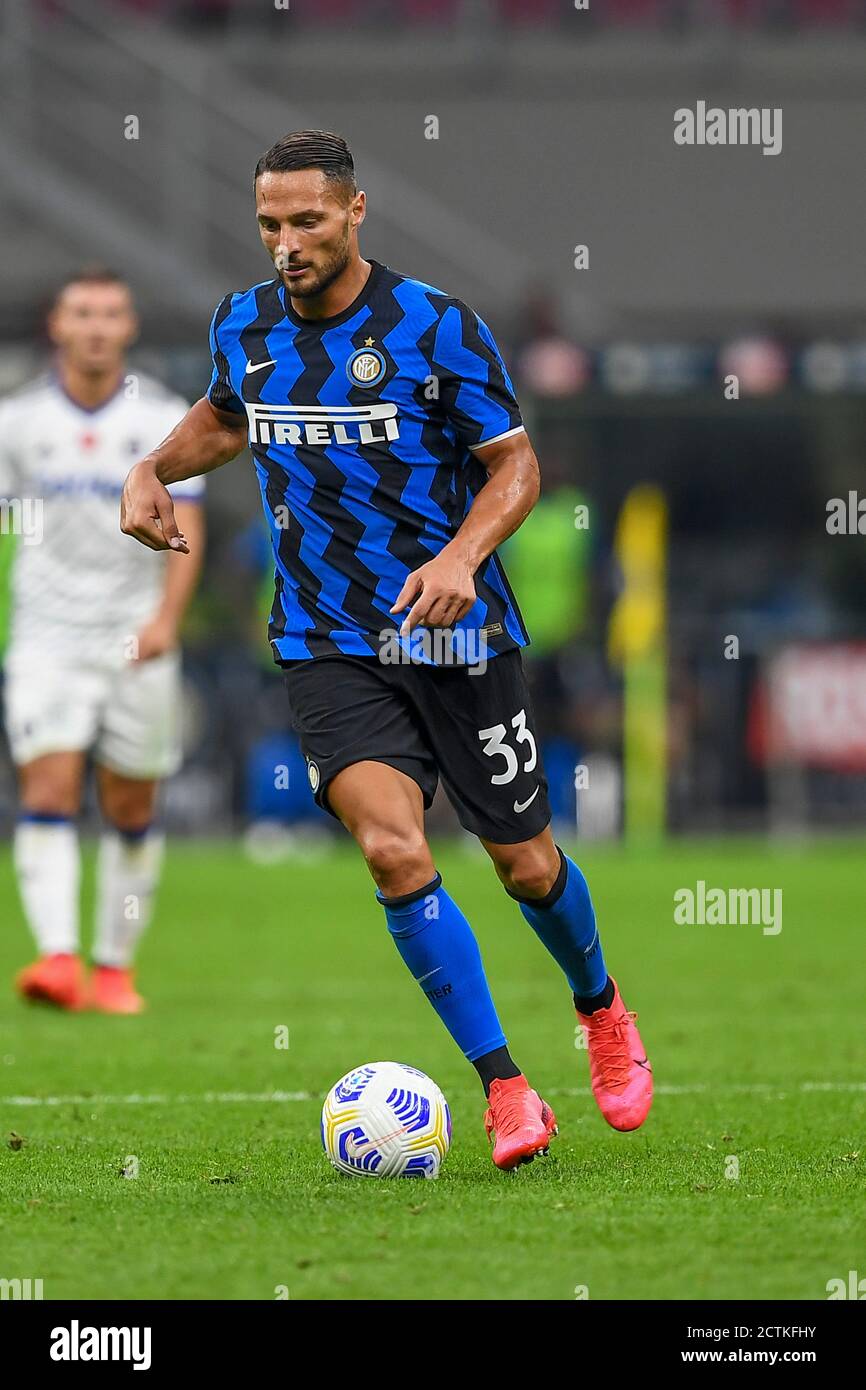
437,944
564,921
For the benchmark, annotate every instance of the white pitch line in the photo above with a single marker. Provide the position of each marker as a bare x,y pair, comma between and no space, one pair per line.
207,1098
765,1089
758,1088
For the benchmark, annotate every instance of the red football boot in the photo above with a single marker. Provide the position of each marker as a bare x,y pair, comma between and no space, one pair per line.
112,991
620,1073
57,979
522,1122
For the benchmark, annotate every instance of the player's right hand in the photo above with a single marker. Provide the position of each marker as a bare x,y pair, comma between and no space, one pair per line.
147,511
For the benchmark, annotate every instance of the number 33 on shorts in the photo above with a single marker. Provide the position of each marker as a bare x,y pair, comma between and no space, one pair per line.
498,741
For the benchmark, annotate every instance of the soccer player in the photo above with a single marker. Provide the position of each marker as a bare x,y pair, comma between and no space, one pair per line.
93,662
392,461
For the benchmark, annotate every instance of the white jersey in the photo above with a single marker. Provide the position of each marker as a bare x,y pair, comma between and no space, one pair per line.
78,581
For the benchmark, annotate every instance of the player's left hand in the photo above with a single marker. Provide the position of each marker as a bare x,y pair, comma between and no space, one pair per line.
441,593
147,510
156,638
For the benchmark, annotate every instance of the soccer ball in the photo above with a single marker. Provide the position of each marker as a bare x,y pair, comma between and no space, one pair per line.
386,1120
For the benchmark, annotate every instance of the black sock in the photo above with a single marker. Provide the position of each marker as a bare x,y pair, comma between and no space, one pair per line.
595,1001
495,1066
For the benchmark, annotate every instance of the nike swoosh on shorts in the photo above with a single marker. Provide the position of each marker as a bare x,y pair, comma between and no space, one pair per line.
521,806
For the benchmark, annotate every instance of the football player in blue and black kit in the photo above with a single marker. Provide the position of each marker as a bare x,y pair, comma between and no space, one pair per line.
392,461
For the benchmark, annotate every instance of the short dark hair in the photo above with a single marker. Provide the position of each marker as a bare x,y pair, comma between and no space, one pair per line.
311,149
90,275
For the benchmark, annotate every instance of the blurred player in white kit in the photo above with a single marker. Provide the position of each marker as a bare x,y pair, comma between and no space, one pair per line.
93,663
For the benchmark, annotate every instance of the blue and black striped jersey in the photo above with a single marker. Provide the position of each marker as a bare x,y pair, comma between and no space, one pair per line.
361,429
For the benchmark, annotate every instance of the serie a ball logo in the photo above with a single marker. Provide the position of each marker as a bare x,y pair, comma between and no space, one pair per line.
366,367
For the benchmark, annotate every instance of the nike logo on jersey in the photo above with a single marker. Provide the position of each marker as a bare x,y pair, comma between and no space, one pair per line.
257,366
522,805
421,978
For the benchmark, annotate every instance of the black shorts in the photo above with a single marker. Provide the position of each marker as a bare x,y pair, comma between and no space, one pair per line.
474,730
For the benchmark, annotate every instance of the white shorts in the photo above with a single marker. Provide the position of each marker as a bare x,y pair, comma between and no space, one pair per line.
127,714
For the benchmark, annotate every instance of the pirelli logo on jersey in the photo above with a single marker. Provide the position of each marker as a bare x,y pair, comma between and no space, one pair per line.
323,424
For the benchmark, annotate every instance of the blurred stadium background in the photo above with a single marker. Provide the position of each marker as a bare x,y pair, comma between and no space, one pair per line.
706,517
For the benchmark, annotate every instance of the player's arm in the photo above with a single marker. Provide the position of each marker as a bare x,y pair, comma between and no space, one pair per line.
160,634
203,440
478,401
443,590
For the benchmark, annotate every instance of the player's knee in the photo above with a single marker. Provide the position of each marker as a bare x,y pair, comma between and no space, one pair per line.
528,871
49,796
128,807
399,860
44,800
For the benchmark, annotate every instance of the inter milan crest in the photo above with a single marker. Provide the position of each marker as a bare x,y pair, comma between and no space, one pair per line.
365,367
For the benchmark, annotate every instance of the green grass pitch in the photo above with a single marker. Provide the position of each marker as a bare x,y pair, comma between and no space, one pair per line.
757,1044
